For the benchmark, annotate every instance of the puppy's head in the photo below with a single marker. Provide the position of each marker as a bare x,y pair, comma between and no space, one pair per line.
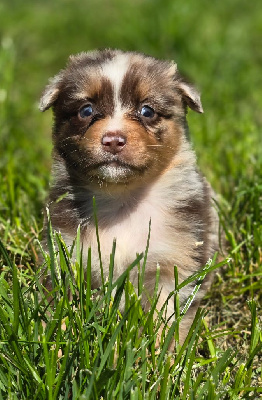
119,117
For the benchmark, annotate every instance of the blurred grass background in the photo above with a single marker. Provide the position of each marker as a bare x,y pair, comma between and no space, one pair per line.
216,44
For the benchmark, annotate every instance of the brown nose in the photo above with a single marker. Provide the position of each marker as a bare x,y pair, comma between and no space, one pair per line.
113,142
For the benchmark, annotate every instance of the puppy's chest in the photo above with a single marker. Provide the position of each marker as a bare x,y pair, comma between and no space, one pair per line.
131,231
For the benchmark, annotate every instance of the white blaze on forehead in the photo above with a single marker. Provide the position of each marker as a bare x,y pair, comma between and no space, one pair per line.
115,70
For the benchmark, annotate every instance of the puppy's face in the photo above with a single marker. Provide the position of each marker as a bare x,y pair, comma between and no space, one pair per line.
119,117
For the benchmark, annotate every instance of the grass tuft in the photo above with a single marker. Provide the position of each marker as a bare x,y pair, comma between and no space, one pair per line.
75,343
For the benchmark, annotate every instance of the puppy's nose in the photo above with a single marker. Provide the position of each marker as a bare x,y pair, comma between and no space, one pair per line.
113,142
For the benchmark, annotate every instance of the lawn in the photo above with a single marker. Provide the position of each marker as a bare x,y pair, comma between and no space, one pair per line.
83,347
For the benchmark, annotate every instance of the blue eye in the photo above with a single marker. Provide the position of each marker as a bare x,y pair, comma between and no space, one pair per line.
147,112
86,111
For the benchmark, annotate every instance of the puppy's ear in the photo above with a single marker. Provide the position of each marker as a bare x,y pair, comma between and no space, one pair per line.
50,94
190,96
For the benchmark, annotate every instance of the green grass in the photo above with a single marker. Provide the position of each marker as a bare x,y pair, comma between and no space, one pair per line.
83,347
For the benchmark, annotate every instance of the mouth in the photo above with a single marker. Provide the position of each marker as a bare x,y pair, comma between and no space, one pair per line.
117,171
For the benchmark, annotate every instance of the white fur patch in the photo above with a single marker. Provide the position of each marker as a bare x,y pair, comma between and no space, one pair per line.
115,71
114,173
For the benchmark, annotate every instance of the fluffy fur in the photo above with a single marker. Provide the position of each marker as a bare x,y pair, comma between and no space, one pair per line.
120,134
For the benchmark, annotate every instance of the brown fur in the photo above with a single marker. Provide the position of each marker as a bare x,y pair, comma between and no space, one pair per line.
146,170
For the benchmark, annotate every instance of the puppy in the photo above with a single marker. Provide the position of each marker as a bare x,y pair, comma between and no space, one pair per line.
120,135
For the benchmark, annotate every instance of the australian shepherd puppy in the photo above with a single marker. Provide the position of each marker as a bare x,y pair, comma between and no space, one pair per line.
120,135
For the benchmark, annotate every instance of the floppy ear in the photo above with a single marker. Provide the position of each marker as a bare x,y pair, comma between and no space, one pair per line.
50,94
190,96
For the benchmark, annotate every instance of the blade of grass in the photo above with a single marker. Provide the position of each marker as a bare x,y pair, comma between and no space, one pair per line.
98,242
16,288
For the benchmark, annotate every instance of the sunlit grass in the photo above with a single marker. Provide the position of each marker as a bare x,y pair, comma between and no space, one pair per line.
61,345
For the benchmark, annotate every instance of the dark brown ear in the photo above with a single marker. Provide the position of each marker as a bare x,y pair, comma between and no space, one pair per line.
190,96
50,93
